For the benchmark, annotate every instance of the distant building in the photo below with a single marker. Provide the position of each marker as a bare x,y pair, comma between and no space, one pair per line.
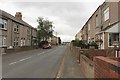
79,36
14,32
103,26
54,40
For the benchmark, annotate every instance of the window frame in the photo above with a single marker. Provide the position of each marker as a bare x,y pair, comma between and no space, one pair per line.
16,27
97,21
4,41
106,14
109,39
3,23
89,27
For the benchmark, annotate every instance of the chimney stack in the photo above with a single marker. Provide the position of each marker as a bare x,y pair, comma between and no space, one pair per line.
18,15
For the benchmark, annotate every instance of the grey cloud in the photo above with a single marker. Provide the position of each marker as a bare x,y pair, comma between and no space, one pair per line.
71,15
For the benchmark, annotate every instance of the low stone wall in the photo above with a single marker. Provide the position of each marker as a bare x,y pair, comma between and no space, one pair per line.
106,67
91,53
87,66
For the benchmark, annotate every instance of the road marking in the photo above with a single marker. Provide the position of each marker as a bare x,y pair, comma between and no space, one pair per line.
25,59
12,63
20,60
40,53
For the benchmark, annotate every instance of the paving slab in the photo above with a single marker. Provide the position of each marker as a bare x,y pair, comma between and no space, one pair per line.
71,68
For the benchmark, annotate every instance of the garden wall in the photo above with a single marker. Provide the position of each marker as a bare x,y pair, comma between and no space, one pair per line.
106,67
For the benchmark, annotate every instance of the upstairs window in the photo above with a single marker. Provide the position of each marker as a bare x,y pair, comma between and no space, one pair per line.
88,27
106,14
16,28
28,31
3,24
97,21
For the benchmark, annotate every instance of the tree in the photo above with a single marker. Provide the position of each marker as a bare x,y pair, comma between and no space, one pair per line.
45,30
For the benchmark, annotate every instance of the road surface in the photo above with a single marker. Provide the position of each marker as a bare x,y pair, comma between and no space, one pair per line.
40,63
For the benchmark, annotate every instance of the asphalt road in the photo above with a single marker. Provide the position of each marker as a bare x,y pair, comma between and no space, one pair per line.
40,63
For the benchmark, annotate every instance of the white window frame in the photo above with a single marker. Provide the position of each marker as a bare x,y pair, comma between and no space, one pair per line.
21,42
3,41
97,21
89,27
106,14
4,23
28,42
0,41
16,27
109,38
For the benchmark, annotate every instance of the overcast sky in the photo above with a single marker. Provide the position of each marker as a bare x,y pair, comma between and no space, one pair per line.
68,16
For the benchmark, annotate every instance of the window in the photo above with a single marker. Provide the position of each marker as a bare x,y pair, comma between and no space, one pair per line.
3,24
24,41
2,41
28,42
113,37
106,14
97,21
28,31
88,27
16,41
16,27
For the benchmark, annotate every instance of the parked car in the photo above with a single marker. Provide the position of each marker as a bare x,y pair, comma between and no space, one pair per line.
47,46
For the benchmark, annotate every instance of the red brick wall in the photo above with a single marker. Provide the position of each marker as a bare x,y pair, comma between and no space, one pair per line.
106,68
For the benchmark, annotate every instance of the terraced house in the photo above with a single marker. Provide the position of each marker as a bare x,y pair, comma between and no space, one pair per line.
15,33
103,26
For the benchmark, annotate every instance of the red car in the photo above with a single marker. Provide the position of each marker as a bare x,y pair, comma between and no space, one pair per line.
47,46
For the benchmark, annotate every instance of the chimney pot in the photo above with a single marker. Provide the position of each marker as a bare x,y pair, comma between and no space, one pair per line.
18,15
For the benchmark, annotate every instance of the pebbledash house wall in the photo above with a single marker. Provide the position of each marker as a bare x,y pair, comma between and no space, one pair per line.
92,28
17,33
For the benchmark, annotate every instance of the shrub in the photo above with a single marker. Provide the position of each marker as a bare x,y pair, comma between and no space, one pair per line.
93,44
84,44
80,43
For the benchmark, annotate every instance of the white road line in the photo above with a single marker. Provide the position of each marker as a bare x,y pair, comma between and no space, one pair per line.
25,59
13,63
20,60
40,53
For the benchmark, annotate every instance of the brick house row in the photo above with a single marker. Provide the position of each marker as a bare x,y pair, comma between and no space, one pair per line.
103,26
15,33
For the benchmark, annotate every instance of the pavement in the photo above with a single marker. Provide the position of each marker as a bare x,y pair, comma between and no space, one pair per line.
70,67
